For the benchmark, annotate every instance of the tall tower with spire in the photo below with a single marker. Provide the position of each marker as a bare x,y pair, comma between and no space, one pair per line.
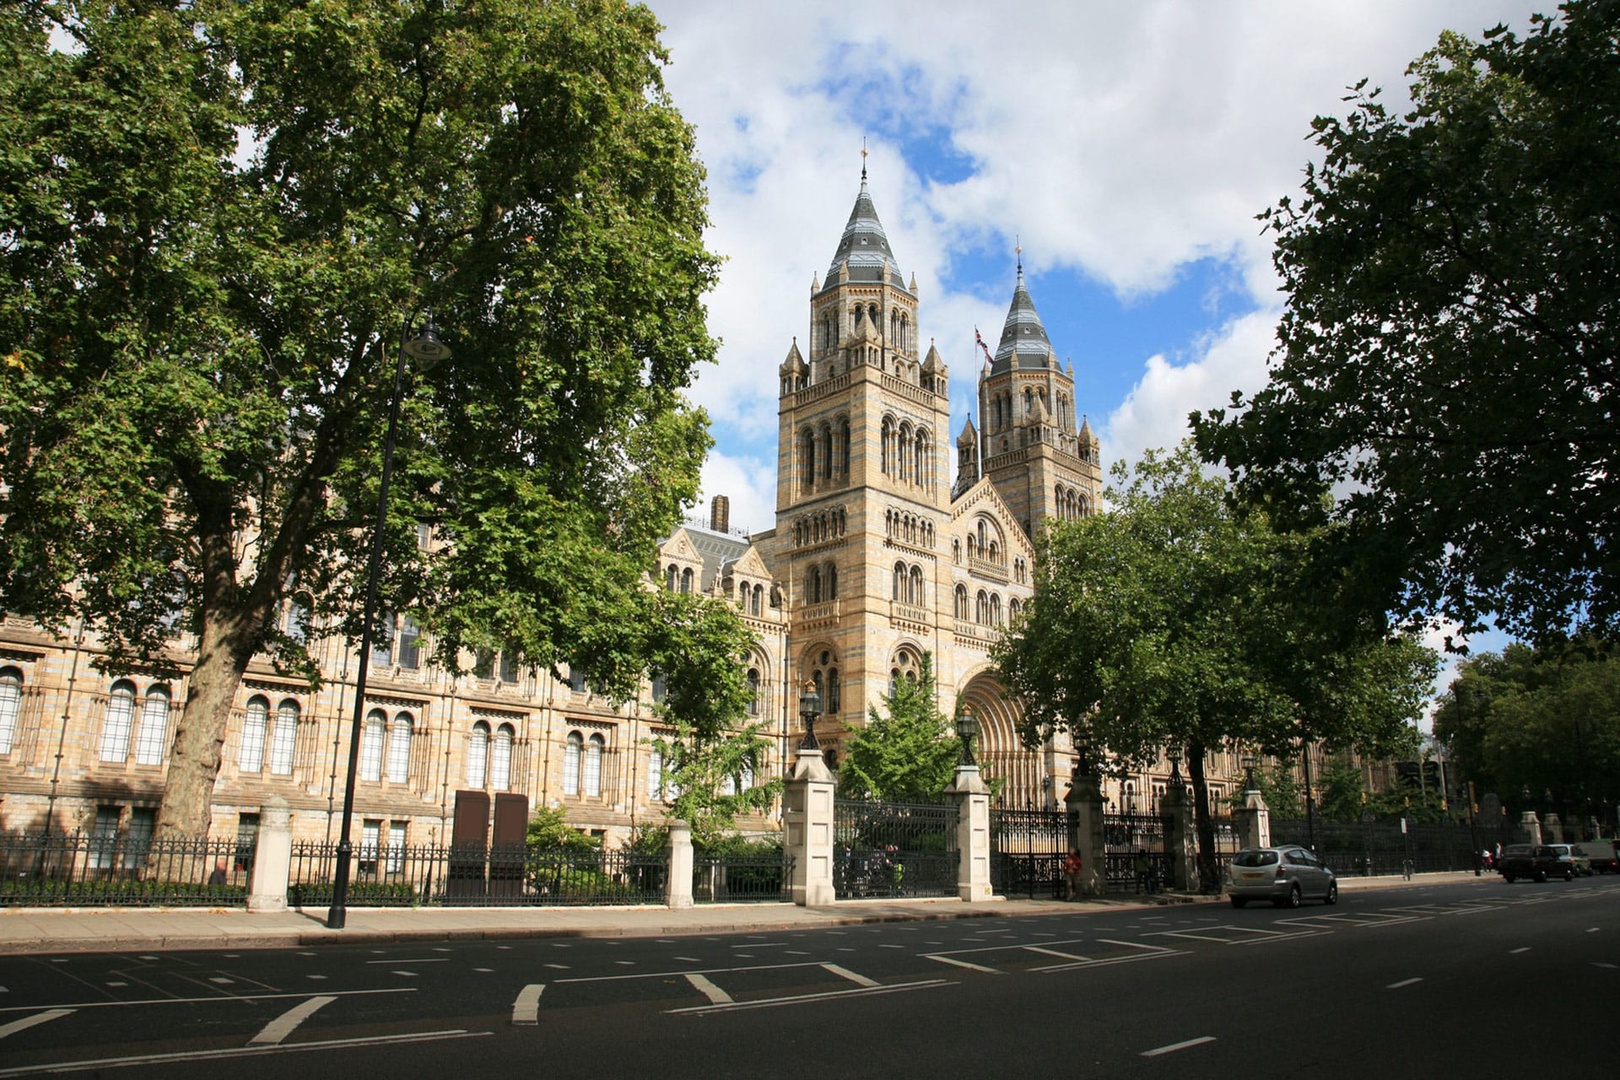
863,477
1027,444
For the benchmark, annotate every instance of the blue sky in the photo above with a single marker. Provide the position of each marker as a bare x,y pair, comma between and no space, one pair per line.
1127,147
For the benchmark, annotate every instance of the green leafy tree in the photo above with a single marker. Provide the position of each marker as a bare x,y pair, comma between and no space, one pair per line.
218,216
1543,719
908,755
1447,357
697,646
1180,619
549,831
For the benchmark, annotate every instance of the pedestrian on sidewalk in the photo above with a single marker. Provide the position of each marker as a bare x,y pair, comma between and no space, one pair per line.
1071,875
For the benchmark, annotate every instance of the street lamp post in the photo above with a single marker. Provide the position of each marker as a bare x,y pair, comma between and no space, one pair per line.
967,726
809,709
427,350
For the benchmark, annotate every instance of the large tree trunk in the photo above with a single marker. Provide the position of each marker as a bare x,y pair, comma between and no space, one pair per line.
1209,873
194,757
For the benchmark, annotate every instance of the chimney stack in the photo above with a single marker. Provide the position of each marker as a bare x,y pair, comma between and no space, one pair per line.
720,514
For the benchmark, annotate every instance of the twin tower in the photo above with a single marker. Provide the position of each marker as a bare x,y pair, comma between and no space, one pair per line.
883,554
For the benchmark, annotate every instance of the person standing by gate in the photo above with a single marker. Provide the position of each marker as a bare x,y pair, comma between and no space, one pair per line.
1071,875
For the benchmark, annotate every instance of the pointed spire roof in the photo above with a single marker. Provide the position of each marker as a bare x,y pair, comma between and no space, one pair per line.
794,361
1024,343
863,251
933,363
969,435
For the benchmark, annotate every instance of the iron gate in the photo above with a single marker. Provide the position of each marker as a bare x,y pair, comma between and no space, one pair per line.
894,849
1027,848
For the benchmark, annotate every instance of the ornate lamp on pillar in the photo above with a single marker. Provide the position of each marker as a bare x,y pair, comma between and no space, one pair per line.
967,726
1249,762
809,709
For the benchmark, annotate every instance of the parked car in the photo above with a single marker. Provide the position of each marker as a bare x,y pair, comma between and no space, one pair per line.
1600,855
1583,865
1284,875
1538,861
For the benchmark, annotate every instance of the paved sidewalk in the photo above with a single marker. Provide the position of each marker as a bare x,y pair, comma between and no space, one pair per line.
40,930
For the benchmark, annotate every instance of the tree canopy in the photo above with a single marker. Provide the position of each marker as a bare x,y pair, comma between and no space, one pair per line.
908,755
1179,619
1544,719
216,217
1447,357
697,646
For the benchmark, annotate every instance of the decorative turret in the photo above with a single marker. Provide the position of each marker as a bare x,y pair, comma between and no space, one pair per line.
1024,343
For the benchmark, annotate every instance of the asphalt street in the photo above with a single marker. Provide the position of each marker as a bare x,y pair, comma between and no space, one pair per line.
1454,980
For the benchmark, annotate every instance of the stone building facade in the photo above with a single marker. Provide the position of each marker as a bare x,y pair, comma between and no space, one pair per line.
877,556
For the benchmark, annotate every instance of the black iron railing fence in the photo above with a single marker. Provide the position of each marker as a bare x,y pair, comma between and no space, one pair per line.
894,849
84,870
1380,847
1137,871
1027,849
738,879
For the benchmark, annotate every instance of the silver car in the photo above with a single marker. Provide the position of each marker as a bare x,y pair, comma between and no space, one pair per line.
1284,875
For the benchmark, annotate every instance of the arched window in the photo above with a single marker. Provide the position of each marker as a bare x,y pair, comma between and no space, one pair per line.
830,581
887,436
898,592
573,750
961,602
478,755
500,760
915,592
757,601
250,755
154,726
116,725
812,584
299,614
655,773
593,765
283,737
399,748
672,578
835,693
753,691
995,609
981,608
10,706
686,580
371,745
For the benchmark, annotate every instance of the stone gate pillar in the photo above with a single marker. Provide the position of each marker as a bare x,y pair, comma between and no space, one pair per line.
1252,820
807,826
1530,826
972,797
1552,829
678,889
272,857
1180,839
1085,805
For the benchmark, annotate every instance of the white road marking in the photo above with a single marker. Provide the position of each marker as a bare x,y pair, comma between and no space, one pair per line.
484,970
1601,964
414,960
762,945
1055,952
1515,952
799,999
526,1009
319,978
29,1021
560,967
244,1051
407,974
285,1024
116,982
685,960
154,958
222,980
212,999
845,973
625,963
1173,1047
702,984
1135,945
1594,929
961,963
1135,958
1403,982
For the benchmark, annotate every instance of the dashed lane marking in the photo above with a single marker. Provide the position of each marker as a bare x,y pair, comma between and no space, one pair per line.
1173,1047
285,1024
30,1021
1057,953
703,985
845,973
414,960
1403,982
954,962
1520,949
526,1009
